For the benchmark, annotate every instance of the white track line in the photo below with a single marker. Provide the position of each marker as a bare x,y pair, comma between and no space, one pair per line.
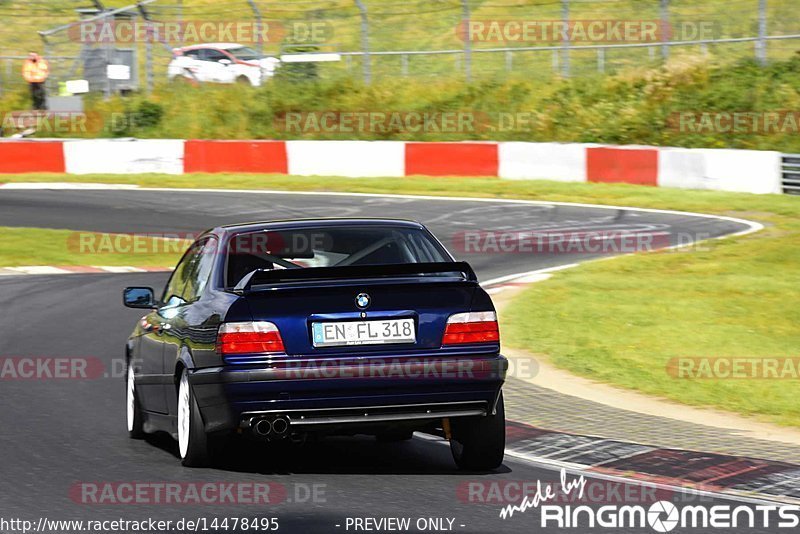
586,470
752,226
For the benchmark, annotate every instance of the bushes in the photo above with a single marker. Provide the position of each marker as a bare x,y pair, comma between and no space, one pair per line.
636,107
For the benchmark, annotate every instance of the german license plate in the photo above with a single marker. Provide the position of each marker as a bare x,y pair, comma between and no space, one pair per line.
377,332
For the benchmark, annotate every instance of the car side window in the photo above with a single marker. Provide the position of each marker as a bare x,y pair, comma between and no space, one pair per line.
200,271
174,292
212,55
193,54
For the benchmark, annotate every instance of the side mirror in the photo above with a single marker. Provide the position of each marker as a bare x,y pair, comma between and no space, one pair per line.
139,297
224,61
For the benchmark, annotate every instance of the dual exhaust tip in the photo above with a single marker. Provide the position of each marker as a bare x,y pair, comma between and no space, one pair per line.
277,427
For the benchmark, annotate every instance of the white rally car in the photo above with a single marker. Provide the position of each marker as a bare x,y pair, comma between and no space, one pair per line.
221,63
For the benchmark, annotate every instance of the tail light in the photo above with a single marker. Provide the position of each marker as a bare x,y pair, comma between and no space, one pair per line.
471,327
249,338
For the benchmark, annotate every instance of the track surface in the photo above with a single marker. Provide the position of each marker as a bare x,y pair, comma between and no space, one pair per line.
56,433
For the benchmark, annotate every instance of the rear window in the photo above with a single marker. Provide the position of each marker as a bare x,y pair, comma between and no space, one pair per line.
329,247
244,53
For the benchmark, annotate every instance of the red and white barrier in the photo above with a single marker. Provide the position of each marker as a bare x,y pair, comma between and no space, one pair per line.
750,171
745,171
622,165
355,159
111,156
31,156
235,156
543,161
451,159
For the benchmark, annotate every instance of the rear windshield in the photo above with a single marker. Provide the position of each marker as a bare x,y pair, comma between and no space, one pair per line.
329,247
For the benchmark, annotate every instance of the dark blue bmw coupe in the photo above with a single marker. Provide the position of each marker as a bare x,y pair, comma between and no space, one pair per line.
282,329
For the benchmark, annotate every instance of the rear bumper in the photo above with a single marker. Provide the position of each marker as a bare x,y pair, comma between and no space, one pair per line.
370,415
359,394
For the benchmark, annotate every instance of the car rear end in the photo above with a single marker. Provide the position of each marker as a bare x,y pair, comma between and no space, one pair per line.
366,345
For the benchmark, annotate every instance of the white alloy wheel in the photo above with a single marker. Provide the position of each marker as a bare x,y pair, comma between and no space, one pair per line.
184,415
130,400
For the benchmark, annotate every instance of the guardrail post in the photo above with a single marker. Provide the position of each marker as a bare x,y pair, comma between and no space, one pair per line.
404,64
465,18
761,44
10,73
666,31
48,83
601,60
259,25
565,41
180,22
362,8
148,58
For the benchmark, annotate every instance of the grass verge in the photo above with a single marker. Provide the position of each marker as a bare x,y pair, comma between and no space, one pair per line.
622,321
40,246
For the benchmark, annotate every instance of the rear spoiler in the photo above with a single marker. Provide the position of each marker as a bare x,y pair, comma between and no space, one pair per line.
265,276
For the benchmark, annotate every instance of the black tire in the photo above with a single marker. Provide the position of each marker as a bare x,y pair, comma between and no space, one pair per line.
197,451
394,436
136,425
244,81
478,443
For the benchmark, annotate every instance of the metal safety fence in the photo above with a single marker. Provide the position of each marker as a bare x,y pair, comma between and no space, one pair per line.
376,39
790,173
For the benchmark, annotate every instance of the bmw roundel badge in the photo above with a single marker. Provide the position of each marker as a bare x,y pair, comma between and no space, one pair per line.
362,301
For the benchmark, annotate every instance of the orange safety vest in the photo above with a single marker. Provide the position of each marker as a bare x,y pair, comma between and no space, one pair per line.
35,72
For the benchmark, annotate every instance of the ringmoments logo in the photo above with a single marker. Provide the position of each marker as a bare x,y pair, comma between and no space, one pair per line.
660,516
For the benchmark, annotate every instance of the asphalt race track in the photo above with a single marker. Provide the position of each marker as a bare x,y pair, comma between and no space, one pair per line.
57,434
178,211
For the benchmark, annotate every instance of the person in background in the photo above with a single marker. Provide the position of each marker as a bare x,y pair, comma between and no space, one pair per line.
35,70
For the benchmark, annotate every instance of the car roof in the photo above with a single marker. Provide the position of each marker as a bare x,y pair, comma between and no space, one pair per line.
221,46
316,223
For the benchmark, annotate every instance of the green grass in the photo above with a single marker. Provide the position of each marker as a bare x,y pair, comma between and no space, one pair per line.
635,103
634,108
38,246
620,321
